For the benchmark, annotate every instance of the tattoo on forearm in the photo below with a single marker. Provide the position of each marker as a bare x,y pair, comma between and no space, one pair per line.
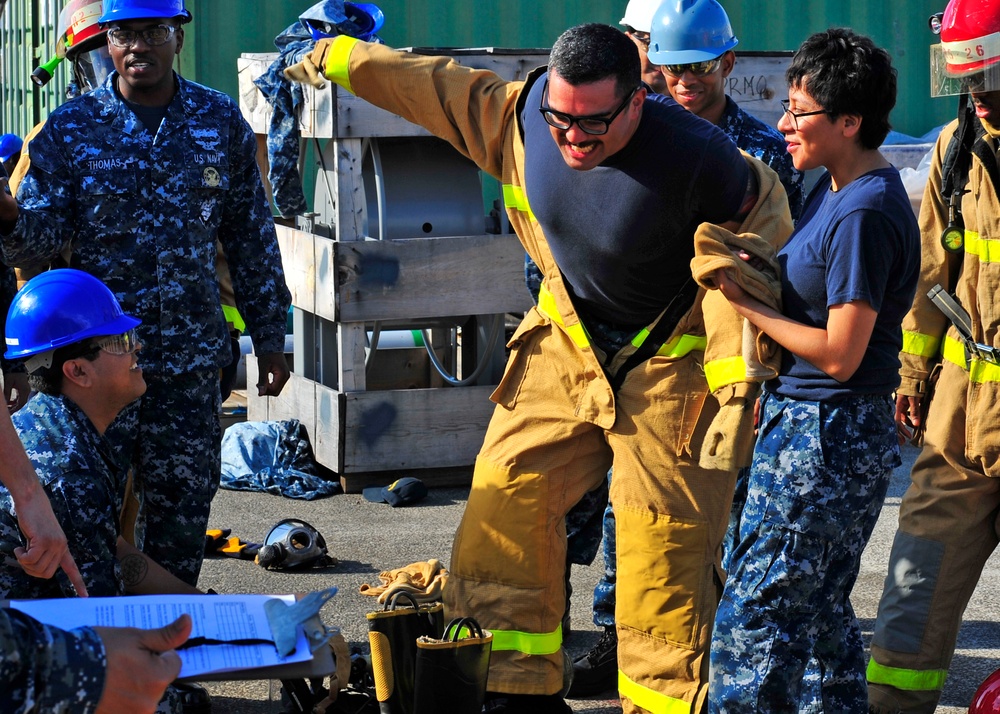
134,570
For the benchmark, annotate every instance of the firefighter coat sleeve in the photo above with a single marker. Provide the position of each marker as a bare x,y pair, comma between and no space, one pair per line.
469,108
924,327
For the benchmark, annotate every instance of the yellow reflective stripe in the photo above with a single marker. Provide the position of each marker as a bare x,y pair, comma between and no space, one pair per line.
640,337
234,318
681,345
513,197
651,701
919,344
980,371
954,352
910,680
530,643
675,348
988,251
547,306
337,56
720,372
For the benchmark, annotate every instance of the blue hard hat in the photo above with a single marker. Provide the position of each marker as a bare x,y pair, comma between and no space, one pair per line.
59,308
367,16
10,144
121,10
335,17
689,31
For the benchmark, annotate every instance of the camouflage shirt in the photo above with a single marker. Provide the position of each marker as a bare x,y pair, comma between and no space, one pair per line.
143,213
767,144
45,669
74,464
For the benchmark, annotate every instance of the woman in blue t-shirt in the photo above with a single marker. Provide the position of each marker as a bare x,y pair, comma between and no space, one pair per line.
786,637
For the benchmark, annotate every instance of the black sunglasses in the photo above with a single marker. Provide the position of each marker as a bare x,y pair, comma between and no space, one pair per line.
593,125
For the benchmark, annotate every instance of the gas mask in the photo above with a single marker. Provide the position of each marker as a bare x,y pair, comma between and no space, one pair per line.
293,544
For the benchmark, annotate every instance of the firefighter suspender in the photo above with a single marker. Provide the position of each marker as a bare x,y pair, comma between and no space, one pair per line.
955,175
955,171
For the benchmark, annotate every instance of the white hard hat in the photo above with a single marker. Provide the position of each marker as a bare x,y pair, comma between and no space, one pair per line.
639,14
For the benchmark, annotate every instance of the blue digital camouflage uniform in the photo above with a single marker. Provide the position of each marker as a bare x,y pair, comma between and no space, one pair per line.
285,98
762,142
84,484
45,669
819,475
143,214
766,143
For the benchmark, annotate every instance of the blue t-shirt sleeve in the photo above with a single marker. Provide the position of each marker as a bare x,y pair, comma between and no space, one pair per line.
859,259
722,182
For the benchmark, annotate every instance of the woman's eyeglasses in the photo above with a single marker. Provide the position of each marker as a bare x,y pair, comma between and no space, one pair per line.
798,115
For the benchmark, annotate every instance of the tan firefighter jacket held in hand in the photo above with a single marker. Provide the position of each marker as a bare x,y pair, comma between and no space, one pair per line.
738,357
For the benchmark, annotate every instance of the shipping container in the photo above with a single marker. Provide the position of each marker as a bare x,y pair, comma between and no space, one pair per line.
224,29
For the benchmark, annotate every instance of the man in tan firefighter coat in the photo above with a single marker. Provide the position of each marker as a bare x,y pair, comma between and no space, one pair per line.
948,522
605,188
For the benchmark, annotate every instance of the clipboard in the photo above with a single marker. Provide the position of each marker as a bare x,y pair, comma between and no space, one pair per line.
292,622
284,621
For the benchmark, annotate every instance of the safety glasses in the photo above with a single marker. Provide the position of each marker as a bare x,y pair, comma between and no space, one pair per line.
698,69
152,36
593,125
642,38
123,344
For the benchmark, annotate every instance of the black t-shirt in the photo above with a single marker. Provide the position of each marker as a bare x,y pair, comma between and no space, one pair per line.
622,233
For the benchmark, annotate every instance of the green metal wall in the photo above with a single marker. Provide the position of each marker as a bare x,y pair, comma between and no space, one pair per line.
223,29
27,39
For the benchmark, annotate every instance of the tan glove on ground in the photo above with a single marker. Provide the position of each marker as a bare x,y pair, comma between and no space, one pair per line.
310,69
423,580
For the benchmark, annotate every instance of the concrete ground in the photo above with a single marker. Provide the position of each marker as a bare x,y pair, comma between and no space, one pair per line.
369,537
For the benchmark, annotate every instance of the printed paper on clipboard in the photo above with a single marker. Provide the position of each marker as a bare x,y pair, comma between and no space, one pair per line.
224,619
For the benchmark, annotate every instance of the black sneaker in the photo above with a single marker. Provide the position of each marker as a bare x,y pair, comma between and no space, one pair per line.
498,703
596,671
186,698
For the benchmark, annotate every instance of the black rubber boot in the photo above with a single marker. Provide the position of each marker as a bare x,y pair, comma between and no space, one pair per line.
497,703
452,671
392,634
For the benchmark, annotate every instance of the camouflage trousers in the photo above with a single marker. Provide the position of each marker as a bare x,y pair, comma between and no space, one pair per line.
786,637
583,526
173,439
587,523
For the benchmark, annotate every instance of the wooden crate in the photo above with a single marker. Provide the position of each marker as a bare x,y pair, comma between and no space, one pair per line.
360,429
